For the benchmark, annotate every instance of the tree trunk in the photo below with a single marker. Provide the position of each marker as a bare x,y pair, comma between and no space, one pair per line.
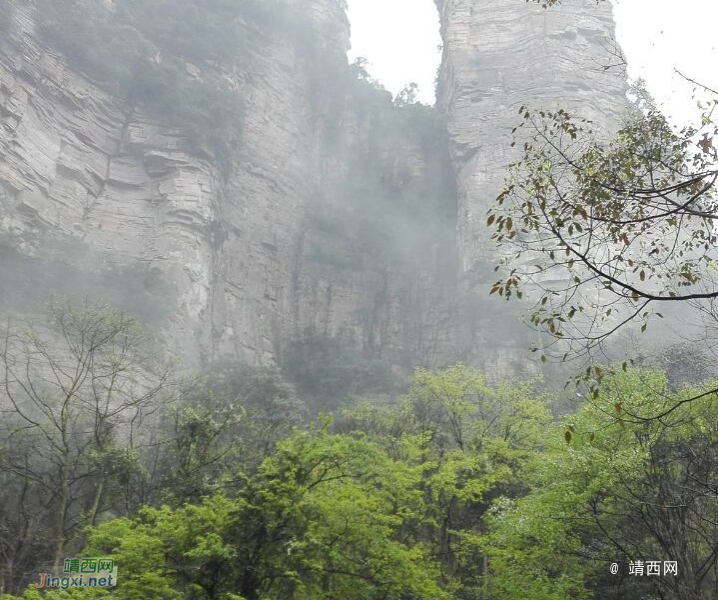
99,490
58,553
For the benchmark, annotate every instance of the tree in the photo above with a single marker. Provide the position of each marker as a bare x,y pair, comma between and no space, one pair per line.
328,371
470,442
321,518
614,492
90,593
228,419
73,394
360,68
142,51
408,95
607,235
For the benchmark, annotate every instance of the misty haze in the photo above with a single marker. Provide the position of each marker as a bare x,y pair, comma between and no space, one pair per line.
283,321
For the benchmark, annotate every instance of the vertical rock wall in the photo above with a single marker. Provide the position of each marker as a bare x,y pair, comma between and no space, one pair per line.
99,199
498,56
342,212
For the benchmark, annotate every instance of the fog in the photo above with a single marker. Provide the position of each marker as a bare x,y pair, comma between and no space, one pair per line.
276,323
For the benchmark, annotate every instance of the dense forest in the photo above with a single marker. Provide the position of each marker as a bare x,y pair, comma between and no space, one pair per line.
228,485
332,475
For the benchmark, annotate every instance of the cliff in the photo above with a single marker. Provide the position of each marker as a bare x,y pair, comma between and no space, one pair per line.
101,198
499,56
333,212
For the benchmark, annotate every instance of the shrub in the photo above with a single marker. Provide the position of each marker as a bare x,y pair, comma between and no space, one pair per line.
327,371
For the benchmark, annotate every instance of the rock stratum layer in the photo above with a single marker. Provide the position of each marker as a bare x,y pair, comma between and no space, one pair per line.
341,212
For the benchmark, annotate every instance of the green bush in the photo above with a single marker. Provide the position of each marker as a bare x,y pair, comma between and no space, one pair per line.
329,371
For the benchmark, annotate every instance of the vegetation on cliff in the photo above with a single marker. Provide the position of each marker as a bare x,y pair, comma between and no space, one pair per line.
175,59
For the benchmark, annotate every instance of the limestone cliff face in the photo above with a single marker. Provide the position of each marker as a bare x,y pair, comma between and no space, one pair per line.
340,212
498,56
99,198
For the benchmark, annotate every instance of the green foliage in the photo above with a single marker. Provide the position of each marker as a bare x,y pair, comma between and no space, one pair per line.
142,50
359,72
318,520
228,419
329,371
172,57
381,211
469,442
70,386
207,110
407,96
162,547
617,232
64,268
462,490
607,488
60,594
360,498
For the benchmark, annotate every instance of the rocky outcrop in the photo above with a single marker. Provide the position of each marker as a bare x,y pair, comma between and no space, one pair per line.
94,190
99,198
498,56
340,211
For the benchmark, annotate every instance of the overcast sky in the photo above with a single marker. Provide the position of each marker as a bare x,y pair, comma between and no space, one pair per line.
400,39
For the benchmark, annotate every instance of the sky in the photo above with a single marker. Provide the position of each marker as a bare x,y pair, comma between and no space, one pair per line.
400,40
